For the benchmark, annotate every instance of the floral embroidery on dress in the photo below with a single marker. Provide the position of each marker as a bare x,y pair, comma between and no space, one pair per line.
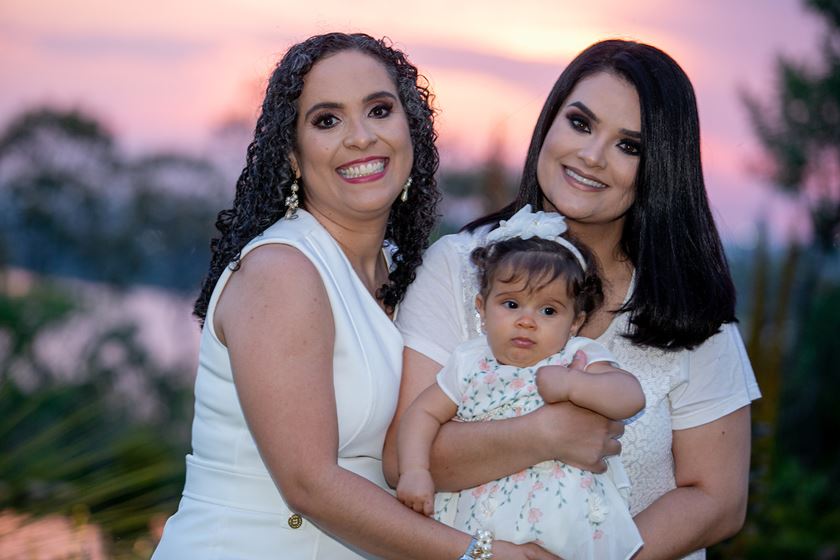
548,503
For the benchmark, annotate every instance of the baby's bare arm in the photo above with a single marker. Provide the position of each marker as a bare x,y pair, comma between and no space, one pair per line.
418,428
611,392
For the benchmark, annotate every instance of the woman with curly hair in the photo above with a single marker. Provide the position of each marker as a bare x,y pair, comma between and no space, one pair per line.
299,364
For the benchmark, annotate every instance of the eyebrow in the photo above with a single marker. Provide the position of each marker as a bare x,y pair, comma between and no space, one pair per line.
589,113
580,105
334,105
508,293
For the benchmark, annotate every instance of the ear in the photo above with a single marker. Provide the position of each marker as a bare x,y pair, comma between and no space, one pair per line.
479,305
578,323
293,160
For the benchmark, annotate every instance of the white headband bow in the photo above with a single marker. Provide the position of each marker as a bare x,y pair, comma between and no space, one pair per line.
526,224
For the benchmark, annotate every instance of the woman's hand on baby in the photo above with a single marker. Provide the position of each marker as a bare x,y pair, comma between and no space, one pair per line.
416,489
504,550
577,436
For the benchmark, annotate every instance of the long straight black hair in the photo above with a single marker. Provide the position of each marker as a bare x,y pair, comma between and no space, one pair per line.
683,288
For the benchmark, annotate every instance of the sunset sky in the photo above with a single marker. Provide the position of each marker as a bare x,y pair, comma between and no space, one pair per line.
163,75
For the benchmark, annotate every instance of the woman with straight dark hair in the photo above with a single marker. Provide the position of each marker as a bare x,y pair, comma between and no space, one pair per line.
299,363
616,150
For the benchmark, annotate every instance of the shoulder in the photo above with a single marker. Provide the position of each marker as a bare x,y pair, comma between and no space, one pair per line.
474,346
275,262
726,346
300,226
718,379
451,253
274,285
594,350
582,342
470,351
455,244
272,275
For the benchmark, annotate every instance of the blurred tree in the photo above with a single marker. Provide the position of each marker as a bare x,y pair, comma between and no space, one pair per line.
21,320
72,205
792,339
472,193
800,130
497,187
52,164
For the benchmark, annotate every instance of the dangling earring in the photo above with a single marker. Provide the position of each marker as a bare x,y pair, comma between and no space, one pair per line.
292,202
404,195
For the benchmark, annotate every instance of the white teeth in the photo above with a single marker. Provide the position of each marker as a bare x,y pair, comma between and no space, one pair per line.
584,180
362,170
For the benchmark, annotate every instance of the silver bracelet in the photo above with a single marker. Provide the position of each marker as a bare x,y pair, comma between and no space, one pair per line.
481,546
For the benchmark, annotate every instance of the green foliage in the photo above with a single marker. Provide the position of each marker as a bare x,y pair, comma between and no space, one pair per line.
798,519
64,448
808,418
22,318
795,505
83,448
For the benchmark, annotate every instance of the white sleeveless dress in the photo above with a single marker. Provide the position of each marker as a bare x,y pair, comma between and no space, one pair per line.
230,507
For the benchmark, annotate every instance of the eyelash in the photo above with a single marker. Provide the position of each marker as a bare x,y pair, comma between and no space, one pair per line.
580,124
387,107
319,121
630,148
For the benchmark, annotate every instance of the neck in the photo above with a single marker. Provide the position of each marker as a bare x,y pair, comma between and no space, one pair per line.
361,242
604,240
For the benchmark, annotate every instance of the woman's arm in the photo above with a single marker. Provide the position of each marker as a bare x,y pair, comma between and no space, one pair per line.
275,319
601,388
710,501
466,454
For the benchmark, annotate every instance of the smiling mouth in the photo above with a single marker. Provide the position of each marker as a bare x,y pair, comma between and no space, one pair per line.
364,169
584,180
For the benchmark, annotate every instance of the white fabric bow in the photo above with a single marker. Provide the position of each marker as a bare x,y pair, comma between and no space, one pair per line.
526,224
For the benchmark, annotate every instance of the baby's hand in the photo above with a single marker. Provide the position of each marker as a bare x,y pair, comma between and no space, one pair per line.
416,489
554,383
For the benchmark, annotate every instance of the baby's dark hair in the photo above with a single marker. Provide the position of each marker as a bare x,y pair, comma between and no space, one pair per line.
541,261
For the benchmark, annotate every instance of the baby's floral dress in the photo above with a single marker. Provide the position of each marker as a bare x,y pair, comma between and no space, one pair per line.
570,512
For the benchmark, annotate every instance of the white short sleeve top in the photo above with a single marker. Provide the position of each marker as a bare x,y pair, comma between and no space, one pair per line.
683,389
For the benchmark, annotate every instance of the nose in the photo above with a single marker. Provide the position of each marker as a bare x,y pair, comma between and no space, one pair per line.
359,134
593,153
525,320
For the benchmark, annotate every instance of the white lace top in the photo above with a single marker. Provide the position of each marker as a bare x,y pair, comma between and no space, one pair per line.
683,389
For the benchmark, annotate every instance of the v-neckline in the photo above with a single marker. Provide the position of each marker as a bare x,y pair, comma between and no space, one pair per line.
359,284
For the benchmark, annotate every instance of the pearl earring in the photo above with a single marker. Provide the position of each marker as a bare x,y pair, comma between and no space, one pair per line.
404,195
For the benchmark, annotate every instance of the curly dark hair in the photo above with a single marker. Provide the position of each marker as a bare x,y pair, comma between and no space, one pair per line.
541,261
266,180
